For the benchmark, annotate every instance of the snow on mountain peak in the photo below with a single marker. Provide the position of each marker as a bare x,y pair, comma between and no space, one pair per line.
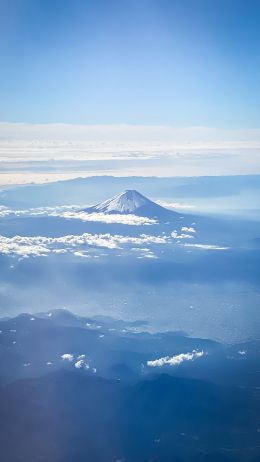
127,202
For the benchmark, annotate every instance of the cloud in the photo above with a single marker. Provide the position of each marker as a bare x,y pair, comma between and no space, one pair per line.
82,254
80,364
148,255
175,360
128,219
242,352
175,235
205,246
144,252
93,326
4,211
73,212
61,251
188,230
22,246
39,211
67,357
174,205
26,246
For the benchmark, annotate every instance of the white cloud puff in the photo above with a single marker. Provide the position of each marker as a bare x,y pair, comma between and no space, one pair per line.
81,364
188,230
67,357
175,360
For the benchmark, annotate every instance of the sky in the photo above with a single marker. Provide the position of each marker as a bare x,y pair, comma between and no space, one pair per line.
192,62
146,63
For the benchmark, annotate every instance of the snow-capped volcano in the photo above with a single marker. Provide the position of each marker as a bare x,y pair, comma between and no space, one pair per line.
130,202
127,202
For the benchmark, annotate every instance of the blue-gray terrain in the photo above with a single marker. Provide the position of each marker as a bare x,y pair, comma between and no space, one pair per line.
130,320
78,388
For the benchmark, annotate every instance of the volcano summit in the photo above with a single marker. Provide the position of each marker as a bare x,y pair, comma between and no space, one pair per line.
131,202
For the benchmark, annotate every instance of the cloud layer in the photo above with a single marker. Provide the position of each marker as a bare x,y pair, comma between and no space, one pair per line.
123,150
128,219
80,245
25,246
74,212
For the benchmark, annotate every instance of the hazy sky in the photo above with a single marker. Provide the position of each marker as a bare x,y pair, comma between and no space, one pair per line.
127,76
180,62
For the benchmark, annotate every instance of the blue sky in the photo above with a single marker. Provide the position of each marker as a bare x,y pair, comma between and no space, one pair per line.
178,62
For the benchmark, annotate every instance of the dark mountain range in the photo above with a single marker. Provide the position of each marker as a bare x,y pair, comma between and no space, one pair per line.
70,416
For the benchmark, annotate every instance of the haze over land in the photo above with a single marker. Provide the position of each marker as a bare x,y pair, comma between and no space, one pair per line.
128,253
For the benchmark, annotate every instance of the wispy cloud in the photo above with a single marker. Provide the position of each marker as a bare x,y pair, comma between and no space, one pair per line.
39,211
122,137
206,246
174,205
